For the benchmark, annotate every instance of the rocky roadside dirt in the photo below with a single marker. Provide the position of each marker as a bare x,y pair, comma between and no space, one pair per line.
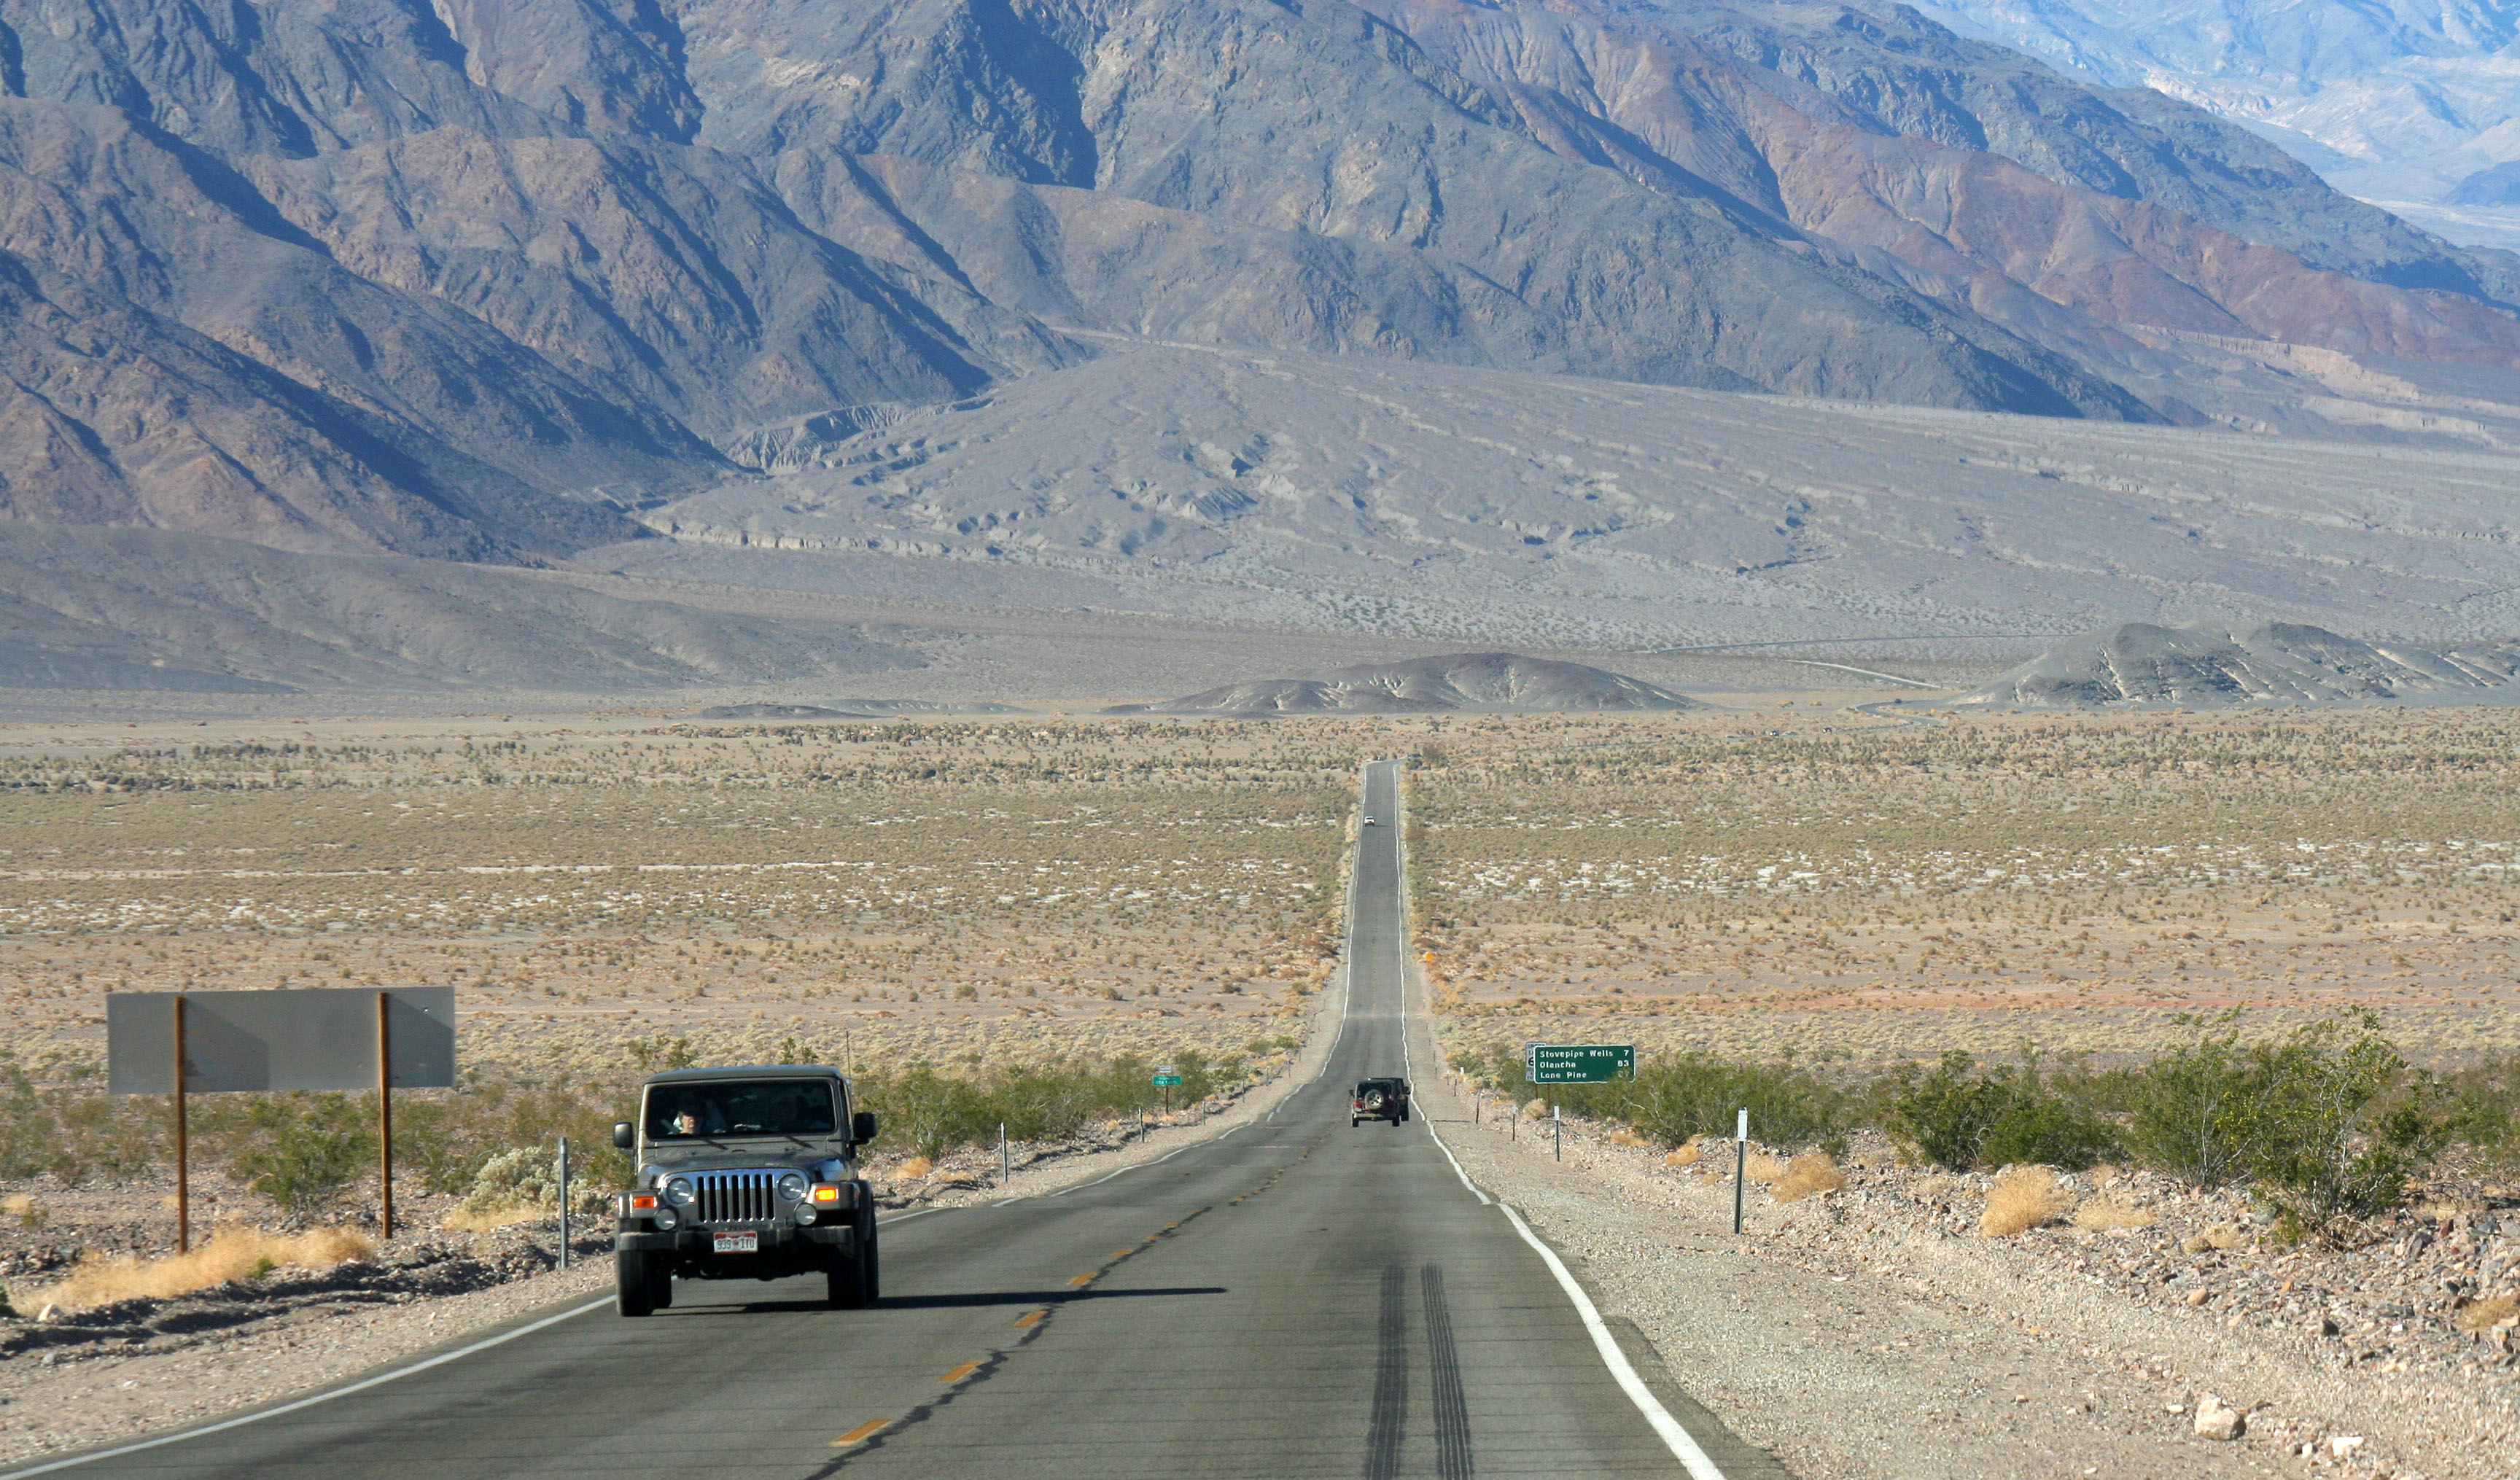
136,1366
1870,1332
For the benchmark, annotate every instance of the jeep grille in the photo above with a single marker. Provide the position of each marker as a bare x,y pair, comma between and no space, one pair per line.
735,1196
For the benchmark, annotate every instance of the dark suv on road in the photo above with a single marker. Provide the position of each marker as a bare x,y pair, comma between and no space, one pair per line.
1378,1099
744,1174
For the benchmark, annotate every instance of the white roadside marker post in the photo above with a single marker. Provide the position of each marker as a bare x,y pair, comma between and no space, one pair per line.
1557,1134
563,1202
1741,1164
1006,1162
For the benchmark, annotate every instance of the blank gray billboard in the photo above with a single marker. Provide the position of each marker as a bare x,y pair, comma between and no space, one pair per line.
310,1038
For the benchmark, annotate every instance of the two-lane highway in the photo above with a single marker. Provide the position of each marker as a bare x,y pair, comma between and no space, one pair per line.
1296,1297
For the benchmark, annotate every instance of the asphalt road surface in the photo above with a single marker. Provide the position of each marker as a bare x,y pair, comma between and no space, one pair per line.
1297,1297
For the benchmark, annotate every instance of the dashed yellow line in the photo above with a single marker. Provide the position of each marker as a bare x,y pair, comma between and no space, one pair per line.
1035,1319
1085,1279
960,1372
861,1433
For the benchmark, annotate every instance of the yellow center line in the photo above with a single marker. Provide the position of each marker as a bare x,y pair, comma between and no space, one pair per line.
1082,1279
862,1431
960,1372
1033,1320
1124,1253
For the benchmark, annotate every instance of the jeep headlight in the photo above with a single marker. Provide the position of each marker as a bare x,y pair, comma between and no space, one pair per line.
666,1220
791,1186
679,1191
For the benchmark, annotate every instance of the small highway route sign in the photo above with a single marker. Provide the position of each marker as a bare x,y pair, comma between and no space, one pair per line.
1168,1079
1577,1063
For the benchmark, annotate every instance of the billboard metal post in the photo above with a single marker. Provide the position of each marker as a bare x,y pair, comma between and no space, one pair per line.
183,1145
384,1114
182,1044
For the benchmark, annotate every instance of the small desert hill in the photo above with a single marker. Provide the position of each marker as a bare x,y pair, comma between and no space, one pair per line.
2207,666
1485,682
777,711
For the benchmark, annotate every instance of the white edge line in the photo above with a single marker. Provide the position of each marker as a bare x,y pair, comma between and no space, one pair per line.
1475,1190
1692,1458
1674,1436
327,1396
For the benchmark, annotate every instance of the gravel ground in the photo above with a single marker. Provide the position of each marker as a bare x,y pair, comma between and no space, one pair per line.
1867,1332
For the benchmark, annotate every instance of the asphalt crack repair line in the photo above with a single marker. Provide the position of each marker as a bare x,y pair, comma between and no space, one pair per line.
876,1433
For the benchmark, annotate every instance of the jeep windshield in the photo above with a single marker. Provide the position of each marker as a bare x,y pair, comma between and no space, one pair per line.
800,1107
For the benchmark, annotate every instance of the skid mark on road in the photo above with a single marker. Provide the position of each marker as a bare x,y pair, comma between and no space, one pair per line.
1444,1368
1388,1428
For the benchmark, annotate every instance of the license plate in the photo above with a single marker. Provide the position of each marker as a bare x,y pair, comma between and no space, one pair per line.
736,1243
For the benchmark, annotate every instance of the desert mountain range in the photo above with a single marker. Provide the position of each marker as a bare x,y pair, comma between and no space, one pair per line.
511,283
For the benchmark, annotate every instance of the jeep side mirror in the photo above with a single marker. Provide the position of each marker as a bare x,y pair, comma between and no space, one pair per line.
861,1127
621,1134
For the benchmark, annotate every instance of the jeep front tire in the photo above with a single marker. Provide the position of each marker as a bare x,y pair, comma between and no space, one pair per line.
634,1288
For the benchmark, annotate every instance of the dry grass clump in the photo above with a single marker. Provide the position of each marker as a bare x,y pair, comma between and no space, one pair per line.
1688,1155
2221,1236
2023,1198
464,1218
19,1208
231,1254
1808,1174
2486,1314
916,1166
2102,1214
1627,1138
1765,1169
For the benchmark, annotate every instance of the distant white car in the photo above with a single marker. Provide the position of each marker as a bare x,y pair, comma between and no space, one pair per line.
1369,821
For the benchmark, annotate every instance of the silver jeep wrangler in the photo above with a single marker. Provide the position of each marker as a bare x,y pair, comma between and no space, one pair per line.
744,1174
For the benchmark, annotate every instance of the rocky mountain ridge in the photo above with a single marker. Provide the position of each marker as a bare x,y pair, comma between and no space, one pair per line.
480,281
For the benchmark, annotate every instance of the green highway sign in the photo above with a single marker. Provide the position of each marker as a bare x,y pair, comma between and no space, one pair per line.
1168,1079
1577,1063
